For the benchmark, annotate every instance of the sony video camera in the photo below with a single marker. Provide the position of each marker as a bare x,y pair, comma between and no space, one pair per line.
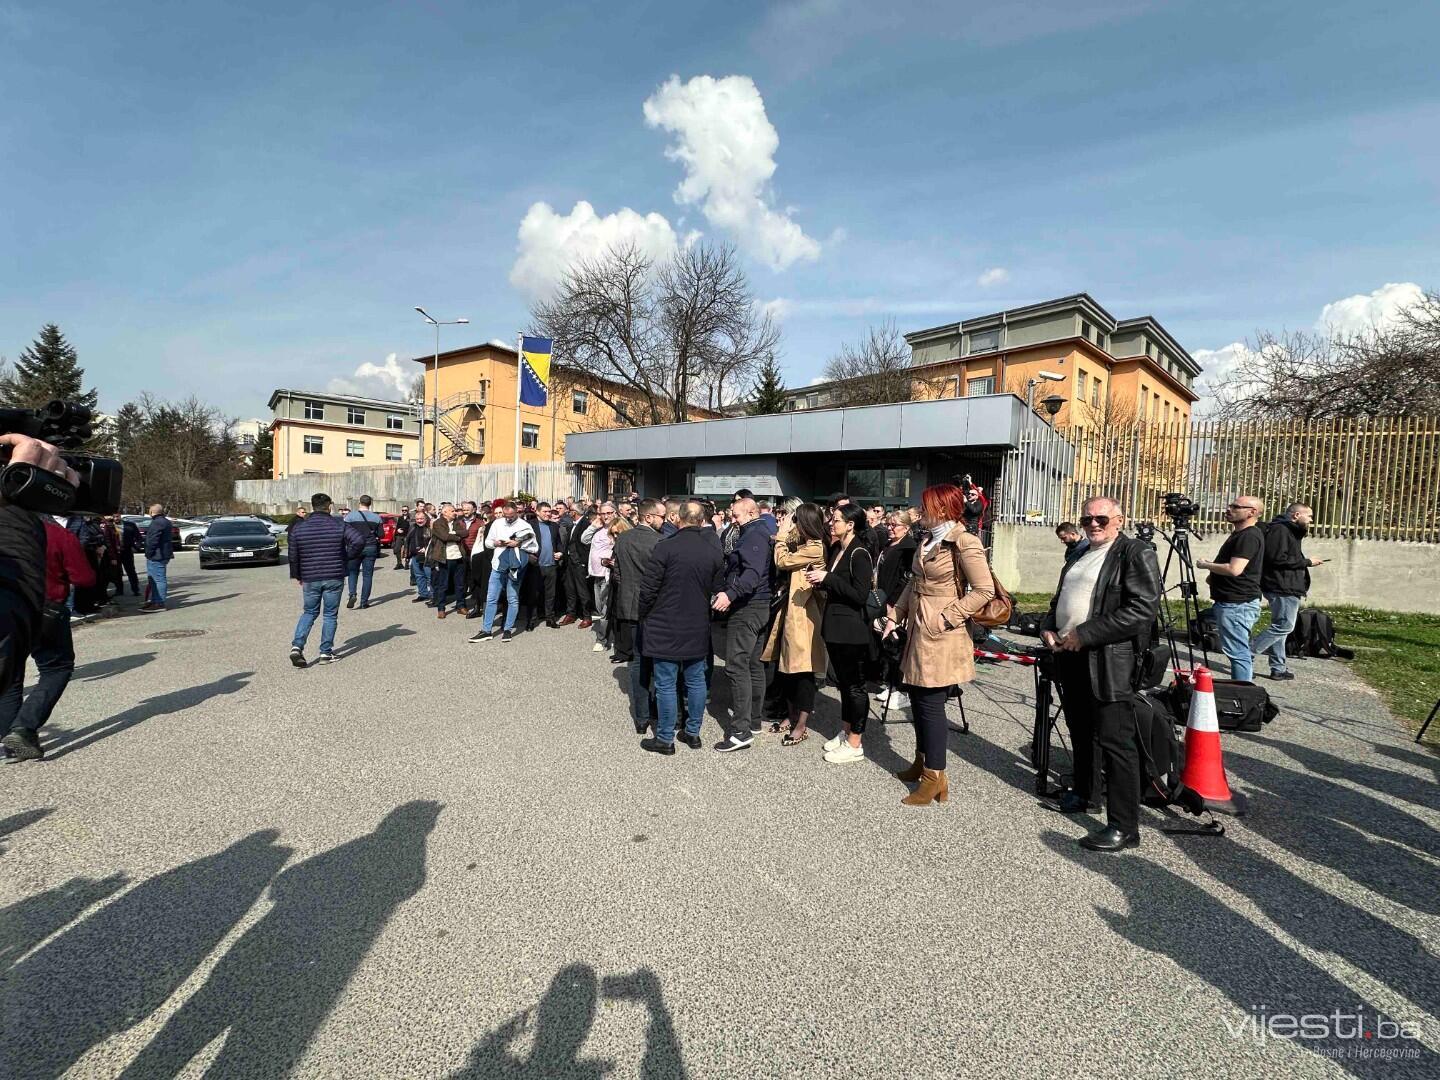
67,427
1180,509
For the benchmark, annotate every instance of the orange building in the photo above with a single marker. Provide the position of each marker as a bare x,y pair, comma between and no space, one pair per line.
478,415
1110,371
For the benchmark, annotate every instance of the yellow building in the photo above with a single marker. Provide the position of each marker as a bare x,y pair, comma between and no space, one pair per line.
477,411
1111,371
329,433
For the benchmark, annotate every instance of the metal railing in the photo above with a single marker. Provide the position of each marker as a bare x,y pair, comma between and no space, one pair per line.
1375,479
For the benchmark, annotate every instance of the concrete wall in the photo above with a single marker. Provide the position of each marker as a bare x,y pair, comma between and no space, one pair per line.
393,488
1382,574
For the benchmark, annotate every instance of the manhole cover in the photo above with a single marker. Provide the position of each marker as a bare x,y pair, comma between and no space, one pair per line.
171,635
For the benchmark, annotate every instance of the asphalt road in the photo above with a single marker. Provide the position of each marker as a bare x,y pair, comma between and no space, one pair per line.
441,859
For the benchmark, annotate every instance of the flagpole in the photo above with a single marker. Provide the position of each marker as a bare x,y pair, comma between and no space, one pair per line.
519,378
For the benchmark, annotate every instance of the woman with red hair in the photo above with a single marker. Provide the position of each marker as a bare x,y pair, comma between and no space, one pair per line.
950,583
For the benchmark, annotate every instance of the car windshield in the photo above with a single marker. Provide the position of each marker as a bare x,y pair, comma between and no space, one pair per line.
238,528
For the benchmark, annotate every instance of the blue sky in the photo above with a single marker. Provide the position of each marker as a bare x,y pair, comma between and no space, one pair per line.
226,198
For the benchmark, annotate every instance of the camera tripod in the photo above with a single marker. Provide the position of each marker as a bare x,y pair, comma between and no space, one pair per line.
1178,555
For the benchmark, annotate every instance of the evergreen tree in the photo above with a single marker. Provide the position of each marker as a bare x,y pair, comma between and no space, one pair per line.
47,370
768,394
262,458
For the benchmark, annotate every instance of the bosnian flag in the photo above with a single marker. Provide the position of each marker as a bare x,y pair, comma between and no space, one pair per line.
535,371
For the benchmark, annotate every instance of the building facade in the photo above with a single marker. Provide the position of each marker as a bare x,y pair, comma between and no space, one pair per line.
1112,372
471,412
325,433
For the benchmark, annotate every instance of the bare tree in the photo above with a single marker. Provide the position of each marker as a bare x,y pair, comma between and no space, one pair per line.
670,334
877,371
1383,371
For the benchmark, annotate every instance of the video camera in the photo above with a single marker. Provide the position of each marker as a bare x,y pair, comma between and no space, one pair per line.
1180,509
66,426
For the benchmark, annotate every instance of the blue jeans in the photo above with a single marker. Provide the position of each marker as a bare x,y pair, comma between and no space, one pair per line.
420,577
355,567
316,592
155,569
666,705
1234,623
510,581
1271,640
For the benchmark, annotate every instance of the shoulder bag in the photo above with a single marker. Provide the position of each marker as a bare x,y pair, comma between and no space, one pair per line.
998,608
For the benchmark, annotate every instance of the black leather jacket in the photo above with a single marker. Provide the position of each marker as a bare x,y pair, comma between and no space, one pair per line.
1122,615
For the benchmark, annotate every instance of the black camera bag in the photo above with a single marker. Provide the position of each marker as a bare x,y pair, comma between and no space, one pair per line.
1239,706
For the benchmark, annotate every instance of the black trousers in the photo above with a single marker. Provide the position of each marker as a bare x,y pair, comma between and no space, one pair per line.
932,731
848,663
577,582
1109,727
54,655
127,563
397,546
797,689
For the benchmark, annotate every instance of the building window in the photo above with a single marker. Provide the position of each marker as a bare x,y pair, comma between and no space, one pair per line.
395,423
530,436
579,402
394,451
884,482
1095,392
985,341
354,448
1086,330
812,401
1080,384
314,444
354,415
314,410
954,384
985,385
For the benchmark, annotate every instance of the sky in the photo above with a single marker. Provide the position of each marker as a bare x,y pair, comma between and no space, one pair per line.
223,199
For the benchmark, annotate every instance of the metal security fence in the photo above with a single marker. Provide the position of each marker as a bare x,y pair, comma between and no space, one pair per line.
392,488
1375,479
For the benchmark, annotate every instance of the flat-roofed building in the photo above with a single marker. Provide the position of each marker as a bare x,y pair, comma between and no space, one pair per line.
315,432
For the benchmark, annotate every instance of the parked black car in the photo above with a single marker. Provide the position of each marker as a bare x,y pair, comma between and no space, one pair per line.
236,541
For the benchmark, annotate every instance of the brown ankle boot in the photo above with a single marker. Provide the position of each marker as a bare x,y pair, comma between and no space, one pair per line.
914,772
934,787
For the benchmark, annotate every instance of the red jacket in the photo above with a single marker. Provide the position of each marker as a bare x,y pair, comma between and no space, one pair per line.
65,564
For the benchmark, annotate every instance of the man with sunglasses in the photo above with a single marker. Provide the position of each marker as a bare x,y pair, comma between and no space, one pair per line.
1235,583
1099,623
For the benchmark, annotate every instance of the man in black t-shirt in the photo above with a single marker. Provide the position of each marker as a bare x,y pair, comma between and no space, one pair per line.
1235,583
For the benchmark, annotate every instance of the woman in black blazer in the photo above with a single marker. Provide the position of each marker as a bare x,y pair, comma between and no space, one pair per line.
847,637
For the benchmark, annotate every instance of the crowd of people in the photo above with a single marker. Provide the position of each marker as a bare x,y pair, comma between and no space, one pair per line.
783,592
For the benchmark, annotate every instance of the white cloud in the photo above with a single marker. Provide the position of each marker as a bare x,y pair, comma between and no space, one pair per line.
727,146
996,275
551,243
389,381
778,308
1218,367
1364,311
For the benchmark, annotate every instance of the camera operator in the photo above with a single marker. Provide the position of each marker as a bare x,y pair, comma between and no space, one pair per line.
1099,622
1235,583
22,558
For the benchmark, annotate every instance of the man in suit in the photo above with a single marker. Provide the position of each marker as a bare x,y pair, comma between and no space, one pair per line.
632,556
539,591
1099,624
577,580
682,575
744,604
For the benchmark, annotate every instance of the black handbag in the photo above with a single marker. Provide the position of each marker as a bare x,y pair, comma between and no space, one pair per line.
1239,706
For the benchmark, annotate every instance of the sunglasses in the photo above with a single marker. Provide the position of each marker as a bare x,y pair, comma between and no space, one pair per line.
1239,506
1101,520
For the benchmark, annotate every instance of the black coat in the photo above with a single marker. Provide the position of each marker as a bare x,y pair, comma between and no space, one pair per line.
845,588
896,563
633,549
684,573
1286,570
1123,611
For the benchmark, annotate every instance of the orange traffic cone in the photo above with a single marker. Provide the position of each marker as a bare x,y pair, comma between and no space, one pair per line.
1204,769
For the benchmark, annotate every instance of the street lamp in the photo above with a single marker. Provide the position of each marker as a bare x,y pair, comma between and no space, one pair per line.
435,410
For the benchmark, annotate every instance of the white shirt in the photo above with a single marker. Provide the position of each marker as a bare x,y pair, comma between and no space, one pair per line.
936,535
1078,592
519,529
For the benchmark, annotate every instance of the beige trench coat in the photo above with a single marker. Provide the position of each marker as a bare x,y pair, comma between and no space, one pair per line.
796,633
935,606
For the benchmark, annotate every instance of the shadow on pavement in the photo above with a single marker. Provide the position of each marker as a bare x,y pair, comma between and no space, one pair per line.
1172,917
274,987
111,970
361,642
561,1023
70,740
105,669
1352,833
26,923
1398,785
15,822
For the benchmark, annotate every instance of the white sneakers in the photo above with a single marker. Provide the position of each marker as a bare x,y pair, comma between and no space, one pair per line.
844,754
897,700
597,647
833,744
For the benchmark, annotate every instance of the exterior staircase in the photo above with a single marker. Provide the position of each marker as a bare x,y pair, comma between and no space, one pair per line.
457,413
